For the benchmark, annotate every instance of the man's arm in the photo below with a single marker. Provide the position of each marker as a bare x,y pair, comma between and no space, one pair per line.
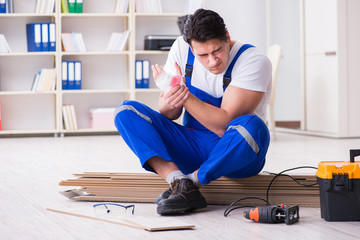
236,102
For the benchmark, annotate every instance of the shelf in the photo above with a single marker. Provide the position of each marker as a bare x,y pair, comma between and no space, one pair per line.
28,131
84,91
88,130
137,52
94,53
4,93
159,14
92,15
16,54
14,15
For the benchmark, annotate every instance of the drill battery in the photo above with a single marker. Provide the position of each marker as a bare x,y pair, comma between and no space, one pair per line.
339,184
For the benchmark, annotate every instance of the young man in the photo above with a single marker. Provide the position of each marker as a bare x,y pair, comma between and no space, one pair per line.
228,85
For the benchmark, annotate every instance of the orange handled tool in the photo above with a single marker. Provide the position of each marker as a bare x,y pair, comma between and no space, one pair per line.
273,214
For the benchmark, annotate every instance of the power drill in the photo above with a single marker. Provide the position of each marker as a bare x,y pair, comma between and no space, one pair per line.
273,214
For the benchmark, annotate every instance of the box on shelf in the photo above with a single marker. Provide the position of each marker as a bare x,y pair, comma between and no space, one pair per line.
102,118
339,184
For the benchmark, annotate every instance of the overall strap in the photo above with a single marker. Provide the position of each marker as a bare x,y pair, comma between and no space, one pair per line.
189,67
227,75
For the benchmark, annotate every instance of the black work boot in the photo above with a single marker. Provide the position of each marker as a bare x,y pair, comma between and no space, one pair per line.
163,195
184,196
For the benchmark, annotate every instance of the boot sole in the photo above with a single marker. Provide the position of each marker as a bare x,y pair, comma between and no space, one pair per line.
173,209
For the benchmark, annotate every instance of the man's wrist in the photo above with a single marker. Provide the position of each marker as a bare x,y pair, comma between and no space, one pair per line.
188,100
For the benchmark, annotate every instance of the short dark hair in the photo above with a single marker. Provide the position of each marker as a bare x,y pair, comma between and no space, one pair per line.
204,25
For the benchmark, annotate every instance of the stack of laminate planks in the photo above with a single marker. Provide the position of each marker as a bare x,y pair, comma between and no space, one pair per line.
145,187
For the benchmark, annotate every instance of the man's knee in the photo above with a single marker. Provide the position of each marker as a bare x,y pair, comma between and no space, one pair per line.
131,109
250,122
120,112
253,130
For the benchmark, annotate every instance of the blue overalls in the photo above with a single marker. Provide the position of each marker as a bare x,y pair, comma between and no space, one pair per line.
239,153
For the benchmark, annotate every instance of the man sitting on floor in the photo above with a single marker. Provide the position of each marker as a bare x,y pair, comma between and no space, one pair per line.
227,88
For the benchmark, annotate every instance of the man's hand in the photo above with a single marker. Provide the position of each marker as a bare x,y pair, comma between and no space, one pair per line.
176,96
171,103
156,70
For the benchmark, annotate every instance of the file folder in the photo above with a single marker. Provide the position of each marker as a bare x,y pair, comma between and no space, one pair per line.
64,6
138,73
71,75
36,82
64,75
33,33
146,74
68,42
10,6
52,37
72,7
44,37
78,75
79,6
2,6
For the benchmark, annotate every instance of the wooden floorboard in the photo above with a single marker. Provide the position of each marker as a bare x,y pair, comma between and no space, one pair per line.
144,187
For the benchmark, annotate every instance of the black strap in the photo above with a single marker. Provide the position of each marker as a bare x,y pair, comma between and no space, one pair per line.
227,75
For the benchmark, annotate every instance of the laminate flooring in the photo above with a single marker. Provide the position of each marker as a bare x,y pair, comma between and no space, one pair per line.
31,168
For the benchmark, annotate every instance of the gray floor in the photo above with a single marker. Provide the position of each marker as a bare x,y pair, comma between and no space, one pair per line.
31,169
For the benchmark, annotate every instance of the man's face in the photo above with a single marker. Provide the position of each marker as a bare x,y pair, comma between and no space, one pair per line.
212,54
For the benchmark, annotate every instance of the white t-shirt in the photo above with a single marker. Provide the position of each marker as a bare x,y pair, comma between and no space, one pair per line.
252,71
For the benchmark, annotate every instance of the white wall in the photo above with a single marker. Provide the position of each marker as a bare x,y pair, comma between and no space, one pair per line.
285,31
246,22
245,19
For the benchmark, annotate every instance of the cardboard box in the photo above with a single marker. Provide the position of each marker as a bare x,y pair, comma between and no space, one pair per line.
102,118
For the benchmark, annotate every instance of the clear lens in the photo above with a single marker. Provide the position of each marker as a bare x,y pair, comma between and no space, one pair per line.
112,210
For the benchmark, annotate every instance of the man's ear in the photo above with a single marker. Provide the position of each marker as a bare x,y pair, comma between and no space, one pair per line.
228,37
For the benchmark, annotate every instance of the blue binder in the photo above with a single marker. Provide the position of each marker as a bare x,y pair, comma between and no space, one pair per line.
64,75
146,74
2,6
52,37
78,74
138,73
45,37
71,75
33,34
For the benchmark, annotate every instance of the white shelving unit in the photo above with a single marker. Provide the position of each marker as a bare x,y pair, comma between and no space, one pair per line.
331,68
23,111
108,78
